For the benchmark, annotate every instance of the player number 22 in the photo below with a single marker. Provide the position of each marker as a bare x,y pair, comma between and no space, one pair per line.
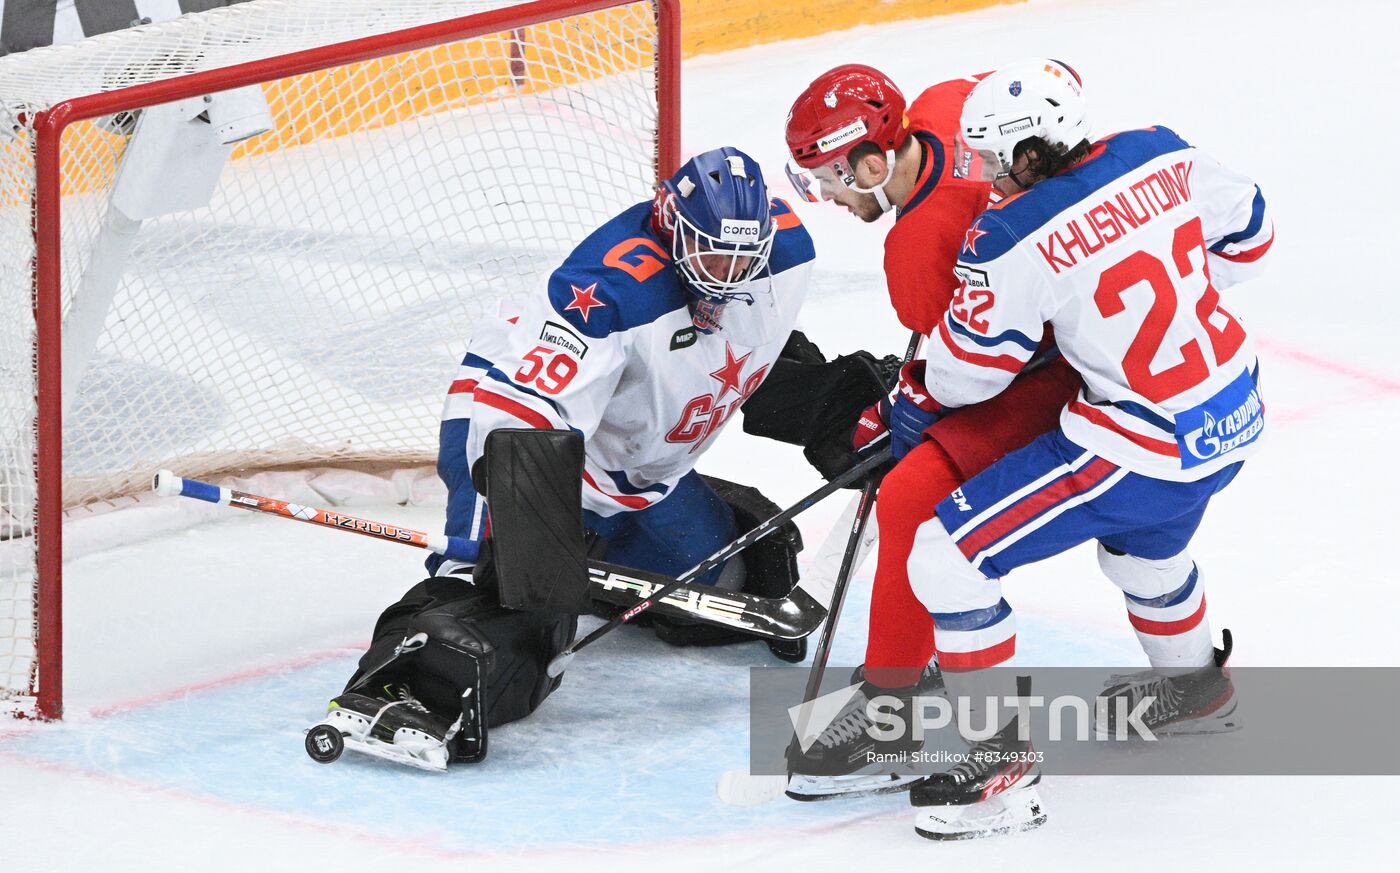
1141,266
549,368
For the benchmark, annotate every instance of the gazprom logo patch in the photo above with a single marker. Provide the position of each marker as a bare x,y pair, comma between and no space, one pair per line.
734,230
841,137
1231,419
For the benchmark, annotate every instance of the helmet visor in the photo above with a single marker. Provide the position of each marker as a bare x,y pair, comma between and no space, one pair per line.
977,164
820,183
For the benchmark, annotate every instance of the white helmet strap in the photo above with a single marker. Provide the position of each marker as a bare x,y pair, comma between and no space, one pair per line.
878,189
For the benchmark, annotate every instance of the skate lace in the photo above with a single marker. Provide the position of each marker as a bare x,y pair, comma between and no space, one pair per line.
404,695
981,759
845,728
1164,691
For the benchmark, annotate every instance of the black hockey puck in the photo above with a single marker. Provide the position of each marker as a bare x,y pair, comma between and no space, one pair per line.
324,743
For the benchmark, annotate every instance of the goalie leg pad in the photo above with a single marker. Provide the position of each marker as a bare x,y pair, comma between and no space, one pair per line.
481,662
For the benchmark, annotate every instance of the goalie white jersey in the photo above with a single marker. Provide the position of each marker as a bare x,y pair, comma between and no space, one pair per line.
610,351
1123,256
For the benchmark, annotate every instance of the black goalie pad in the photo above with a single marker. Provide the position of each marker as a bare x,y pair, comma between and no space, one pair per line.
534,493
466,658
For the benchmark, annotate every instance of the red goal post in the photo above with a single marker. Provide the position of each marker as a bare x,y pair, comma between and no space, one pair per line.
553,105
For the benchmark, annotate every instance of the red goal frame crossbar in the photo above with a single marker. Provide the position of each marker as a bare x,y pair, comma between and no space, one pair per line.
48,301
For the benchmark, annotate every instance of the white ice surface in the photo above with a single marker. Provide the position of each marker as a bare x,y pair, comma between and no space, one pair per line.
195,657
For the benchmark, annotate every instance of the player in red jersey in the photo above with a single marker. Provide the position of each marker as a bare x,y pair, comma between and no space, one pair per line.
853,142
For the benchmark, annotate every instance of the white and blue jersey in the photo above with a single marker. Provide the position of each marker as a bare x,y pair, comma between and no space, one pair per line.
609,350
1124,257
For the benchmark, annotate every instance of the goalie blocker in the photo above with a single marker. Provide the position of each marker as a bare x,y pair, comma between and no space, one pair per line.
483,637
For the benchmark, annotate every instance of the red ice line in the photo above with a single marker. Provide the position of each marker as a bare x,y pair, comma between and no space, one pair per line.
230,679
1379,383
417,845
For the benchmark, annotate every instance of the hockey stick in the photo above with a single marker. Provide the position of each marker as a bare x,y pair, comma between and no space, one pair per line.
739,787
167,484
843,578
864,468
789,618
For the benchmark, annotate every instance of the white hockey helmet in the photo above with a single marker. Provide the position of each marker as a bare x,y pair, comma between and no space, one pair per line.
1040,97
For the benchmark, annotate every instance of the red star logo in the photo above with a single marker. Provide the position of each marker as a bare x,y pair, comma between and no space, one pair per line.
584,301
730,374
974,233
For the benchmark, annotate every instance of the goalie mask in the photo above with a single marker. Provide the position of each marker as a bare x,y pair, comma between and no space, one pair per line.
715,213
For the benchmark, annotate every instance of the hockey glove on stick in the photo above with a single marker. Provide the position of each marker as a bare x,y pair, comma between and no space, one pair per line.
871,425
913,411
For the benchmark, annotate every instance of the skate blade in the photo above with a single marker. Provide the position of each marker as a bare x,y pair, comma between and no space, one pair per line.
809,788
436,763
1010,813
1215,723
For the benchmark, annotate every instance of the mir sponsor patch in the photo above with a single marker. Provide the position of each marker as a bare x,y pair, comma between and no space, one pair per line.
1232,418
683,338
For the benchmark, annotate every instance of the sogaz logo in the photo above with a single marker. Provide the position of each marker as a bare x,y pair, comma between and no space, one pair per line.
736,230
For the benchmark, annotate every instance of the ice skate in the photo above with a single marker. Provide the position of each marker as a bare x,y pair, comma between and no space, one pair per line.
1197,702
989,794
390,724
846,761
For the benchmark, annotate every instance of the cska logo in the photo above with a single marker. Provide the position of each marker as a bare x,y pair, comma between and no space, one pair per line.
705,414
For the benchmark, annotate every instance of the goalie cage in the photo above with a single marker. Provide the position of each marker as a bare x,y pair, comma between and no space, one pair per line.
276,262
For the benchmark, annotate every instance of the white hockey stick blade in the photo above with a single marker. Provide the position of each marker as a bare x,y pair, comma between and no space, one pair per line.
820,578
810,788
557,665
742,788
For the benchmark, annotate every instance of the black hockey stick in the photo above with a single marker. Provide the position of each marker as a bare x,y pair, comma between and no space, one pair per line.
843,578
783,618
864,468
838,599
738,787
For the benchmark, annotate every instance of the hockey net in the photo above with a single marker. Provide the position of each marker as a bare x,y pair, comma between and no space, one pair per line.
428,161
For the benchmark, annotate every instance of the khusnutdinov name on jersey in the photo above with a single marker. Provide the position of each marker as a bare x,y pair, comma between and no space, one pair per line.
1155,194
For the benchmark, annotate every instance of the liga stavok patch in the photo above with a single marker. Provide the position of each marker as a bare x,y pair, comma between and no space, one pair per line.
560,336
1234,417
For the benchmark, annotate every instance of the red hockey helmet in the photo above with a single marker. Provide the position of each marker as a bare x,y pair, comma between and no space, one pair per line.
842,108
